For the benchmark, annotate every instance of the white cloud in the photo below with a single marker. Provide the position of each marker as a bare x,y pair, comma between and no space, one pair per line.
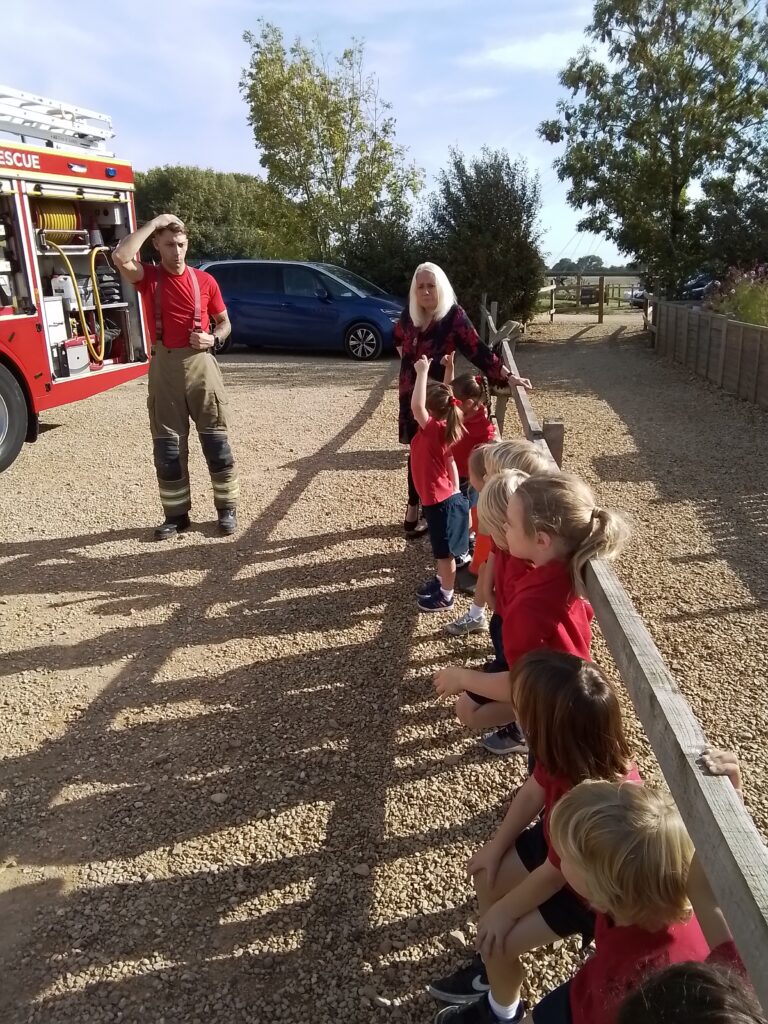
549,51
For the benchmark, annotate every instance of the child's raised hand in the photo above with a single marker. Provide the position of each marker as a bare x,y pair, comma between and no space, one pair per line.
447,682
447,360
422,364
723,762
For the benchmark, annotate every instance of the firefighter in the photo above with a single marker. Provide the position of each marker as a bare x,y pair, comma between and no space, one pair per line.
184,377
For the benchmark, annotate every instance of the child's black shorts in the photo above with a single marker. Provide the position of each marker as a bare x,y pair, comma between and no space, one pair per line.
448,523
555,1008
564,912
499,663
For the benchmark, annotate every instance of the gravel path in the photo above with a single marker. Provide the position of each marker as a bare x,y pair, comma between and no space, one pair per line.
228,794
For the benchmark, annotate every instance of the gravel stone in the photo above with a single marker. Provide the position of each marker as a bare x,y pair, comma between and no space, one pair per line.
228,791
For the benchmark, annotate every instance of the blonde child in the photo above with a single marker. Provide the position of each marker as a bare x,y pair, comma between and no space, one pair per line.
445,508
624,849
572,717
552,523
714,992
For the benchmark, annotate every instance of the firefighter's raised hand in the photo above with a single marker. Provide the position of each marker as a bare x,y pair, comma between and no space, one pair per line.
201,341
165,220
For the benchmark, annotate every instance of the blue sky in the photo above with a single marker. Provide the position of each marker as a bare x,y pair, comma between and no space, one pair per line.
458,72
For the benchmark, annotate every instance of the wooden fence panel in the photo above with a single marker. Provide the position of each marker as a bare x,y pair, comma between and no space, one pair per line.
692,341
731,354
701,366
761,398
749,362
729,379
716,350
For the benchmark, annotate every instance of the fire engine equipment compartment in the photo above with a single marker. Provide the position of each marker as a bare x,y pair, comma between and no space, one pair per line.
14,287
74,237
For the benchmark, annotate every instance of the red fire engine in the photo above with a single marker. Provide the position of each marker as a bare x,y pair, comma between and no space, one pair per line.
69,328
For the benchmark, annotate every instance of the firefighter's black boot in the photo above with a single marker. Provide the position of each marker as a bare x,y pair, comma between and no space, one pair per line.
227,521
172,526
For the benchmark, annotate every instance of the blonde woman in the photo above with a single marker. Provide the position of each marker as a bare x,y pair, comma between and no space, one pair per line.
434,325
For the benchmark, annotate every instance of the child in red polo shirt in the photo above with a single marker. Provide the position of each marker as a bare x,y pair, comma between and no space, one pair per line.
472,392
518,454
715,992
433,468
572,717
625,850
553,523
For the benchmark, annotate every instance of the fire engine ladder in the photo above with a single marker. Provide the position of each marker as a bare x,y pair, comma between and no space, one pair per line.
59,124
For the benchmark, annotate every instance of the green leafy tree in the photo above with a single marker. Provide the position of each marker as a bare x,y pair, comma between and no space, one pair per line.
385,250
327,139
565,266
732,223
682,93
483,228
228,215
589,264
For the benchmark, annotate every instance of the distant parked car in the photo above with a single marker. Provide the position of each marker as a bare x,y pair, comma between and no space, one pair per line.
635,297
697,288
285,304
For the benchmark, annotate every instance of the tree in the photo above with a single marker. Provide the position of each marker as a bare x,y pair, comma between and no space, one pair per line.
682,93
483,228
384,250
564,266
228,215
589,264
327,139
732,224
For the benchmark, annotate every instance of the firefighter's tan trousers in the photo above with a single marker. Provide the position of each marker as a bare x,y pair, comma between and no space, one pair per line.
186,384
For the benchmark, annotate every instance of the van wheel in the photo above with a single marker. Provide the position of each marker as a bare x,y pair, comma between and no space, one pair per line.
13,418
362,342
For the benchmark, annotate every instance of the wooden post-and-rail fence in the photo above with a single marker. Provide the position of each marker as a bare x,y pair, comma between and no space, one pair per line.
727,842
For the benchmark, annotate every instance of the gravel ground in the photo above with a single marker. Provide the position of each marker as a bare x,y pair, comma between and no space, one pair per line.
228,792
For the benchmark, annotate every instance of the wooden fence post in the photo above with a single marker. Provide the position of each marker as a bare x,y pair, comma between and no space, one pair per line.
600,298
578,292
554,435
552,301
495,315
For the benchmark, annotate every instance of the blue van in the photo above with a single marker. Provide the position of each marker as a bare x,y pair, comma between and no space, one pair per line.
286,304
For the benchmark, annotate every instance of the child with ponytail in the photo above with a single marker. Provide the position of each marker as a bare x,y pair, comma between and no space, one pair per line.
553,523
433,467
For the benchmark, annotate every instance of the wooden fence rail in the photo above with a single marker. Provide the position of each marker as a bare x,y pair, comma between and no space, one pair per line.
726,839
730,354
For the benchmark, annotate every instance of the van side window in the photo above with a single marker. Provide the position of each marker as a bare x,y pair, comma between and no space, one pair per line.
260,278
300,281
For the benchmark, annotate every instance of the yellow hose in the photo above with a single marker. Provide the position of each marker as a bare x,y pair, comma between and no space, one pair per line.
59,220
97,356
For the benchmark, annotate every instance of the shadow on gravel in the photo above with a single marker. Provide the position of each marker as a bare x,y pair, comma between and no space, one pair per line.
672,419
273,739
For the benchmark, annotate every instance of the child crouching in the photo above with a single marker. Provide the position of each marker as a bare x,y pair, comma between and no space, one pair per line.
624,848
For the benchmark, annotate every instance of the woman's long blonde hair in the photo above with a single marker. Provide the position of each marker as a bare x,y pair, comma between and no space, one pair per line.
446,297
564,506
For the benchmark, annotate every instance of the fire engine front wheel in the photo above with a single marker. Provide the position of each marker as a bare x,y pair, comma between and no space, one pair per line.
13,418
